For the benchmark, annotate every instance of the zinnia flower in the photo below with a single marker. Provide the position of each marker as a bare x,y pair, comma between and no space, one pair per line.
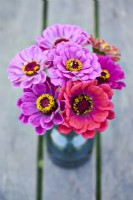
27,68
40,107
58,33
72,62
111,73
103,48
87,108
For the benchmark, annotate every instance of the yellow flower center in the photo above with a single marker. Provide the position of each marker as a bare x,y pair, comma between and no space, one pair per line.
31,68
73,65
105,74
46,103
82,104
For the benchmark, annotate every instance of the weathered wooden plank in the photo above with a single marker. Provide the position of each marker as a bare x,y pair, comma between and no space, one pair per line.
72,12
69,184
117,150
20,22
77,183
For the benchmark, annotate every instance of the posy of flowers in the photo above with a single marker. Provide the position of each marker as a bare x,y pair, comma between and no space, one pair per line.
68,79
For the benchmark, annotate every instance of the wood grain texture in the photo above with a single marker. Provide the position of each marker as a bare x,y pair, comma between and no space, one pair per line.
69,184
20,22
117,149
77,183
72,12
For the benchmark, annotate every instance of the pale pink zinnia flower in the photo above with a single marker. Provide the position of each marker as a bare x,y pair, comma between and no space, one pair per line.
103,48
58,33
27,67
73,62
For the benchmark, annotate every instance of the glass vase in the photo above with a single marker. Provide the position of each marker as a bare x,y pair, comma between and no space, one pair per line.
68,151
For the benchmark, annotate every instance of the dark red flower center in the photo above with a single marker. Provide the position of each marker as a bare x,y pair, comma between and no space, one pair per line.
82,104
59,40
46,104
31,68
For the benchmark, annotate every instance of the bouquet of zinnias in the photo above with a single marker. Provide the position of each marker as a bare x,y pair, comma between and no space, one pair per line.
66,84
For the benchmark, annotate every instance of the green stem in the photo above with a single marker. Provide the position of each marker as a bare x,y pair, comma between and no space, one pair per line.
40,150
98,166
98,137
40,168
96,18
45,14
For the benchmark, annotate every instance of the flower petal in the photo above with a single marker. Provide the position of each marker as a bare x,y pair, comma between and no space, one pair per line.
39,130
28,108
39,89
111,115
89,134
103,127
23,118
58,119
49,125
75,122
34,119
99,116
64,129
29,97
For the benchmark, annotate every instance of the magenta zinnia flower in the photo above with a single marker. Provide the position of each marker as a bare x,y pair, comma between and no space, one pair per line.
111,73
58,33
87,108
27,68
72,62
40,107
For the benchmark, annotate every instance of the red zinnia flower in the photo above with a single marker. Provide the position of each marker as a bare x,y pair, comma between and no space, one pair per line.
87,107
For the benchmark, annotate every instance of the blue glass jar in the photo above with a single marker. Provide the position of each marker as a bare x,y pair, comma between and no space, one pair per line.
68,151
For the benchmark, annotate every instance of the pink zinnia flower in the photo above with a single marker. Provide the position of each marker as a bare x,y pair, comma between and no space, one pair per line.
103,48
27,68
111,73
40,107
58,33
87,108
72,62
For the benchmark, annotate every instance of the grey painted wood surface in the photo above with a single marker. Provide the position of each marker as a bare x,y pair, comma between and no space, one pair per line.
117,148
20,22
69,183
78,183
